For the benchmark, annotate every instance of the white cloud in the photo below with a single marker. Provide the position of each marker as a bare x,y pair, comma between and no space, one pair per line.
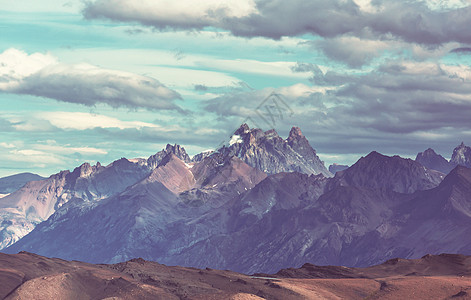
192,69
49,6
16,65
43,76
7,145
272,68
67,149
37,158
82,121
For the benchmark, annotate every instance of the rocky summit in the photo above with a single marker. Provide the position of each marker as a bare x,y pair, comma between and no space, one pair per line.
268,152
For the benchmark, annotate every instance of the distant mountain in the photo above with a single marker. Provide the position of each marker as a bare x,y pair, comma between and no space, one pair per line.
200,156
270,153
461,156
12,183
334,168
22,210
378,171
177,150
434,161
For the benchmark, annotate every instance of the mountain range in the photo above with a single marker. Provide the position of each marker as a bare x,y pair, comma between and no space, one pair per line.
259,204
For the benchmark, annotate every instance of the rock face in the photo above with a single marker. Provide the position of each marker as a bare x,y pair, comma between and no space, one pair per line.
461,156
12,183
334,168
434,161
177,150
268,152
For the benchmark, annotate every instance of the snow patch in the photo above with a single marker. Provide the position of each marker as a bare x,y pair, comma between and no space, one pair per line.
235,139
3,195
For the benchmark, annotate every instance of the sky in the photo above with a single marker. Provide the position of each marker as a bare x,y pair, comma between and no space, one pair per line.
88,81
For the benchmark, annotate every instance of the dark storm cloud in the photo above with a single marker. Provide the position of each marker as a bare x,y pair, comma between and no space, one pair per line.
410,21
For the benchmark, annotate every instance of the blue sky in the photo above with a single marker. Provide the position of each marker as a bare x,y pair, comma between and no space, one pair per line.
100,80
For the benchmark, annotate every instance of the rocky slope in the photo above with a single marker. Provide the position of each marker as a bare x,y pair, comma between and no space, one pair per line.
30,276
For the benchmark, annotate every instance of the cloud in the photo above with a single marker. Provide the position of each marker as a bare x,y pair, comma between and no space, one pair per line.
82,121
162,14
399,107
52,147
410,21
462,50
353,51
43,76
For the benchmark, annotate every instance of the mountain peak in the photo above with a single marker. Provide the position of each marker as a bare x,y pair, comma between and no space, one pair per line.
430,159
295,133
458,172
270,153
391,172
180,152
461,155
375,155
243,129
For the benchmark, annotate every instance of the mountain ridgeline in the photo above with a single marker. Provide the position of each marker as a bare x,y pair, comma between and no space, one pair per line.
461,157
259,204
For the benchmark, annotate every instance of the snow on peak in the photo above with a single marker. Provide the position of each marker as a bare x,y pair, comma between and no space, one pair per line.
235,139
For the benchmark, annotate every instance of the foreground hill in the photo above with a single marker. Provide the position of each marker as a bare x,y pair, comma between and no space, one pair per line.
30,276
